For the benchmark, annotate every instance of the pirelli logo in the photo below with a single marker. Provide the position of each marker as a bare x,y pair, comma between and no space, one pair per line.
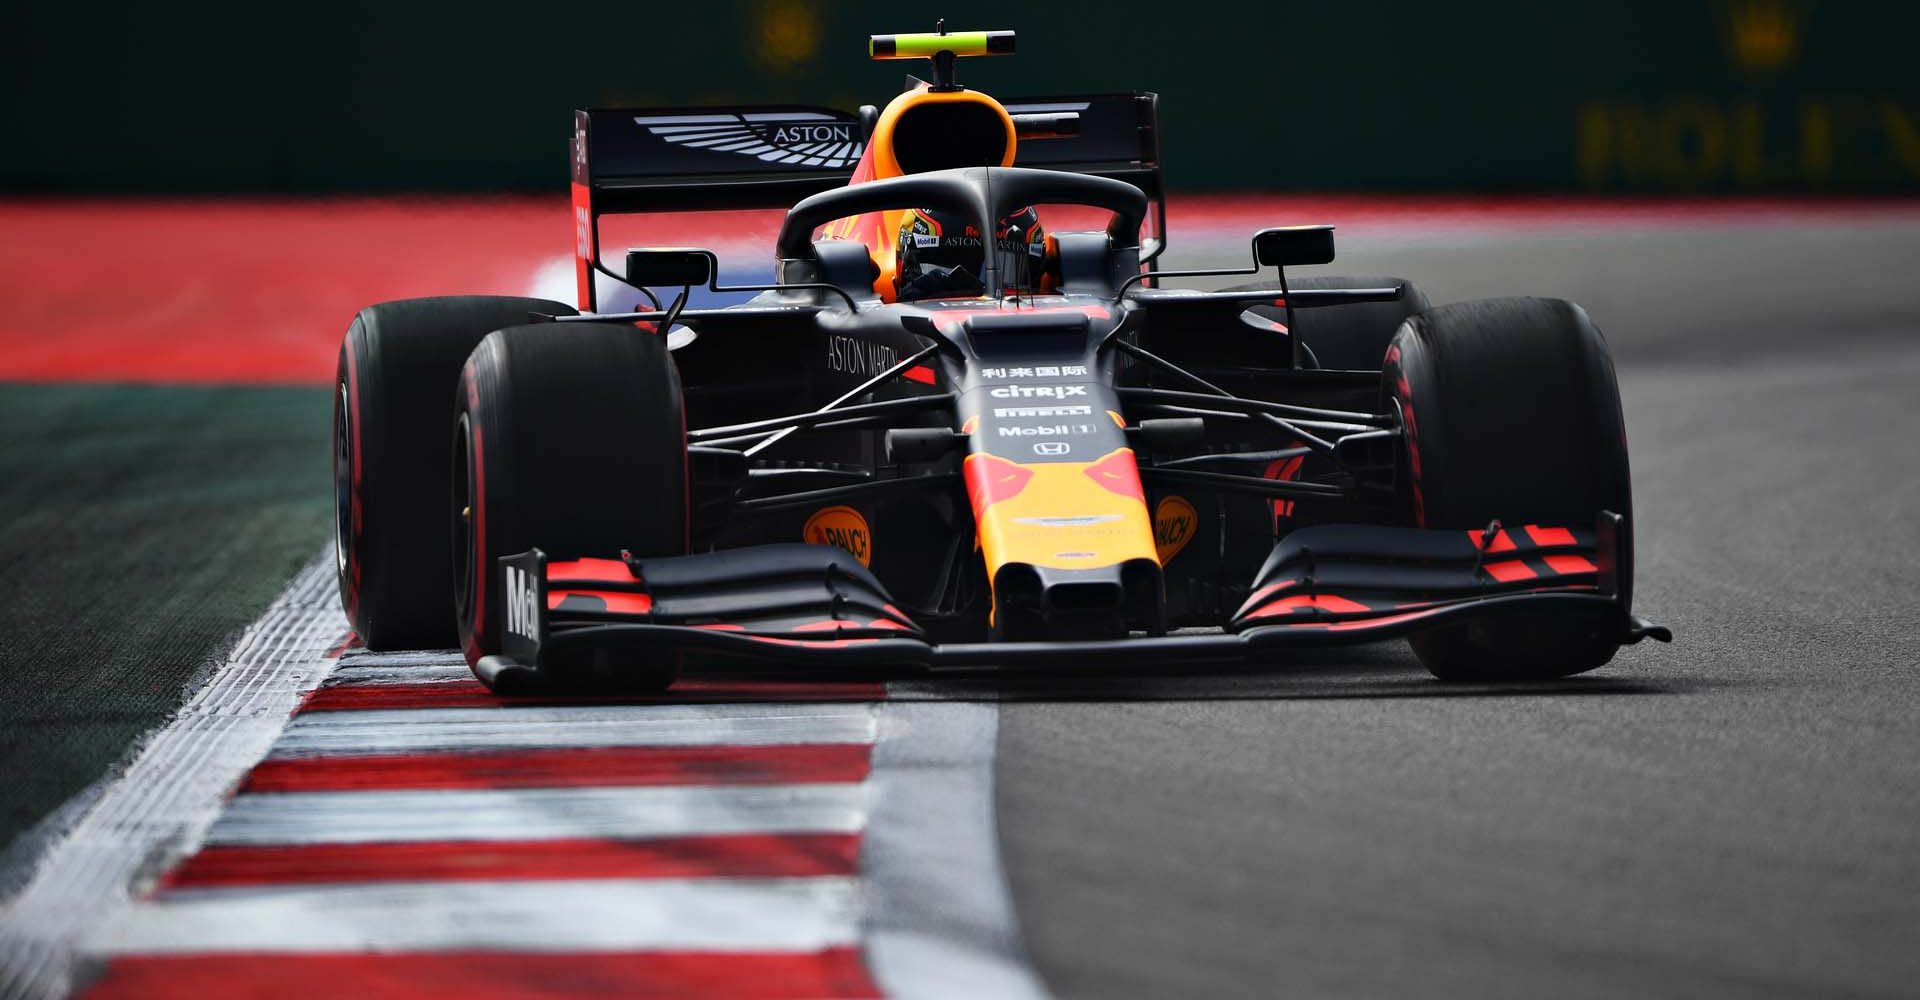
1008,412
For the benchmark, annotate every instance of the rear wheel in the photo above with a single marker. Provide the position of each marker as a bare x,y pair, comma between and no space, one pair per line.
1512,412
398,366
1346,337
570,438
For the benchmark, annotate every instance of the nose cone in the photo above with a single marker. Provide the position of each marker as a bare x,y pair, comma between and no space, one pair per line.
1061,514
1040,602
1068,545
1055,489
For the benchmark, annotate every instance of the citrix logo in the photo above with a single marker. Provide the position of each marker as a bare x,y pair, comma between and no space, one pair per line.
1037,391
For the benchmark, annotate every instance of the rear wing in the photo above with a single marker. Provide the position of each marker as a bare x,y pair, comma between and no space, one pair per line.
632,160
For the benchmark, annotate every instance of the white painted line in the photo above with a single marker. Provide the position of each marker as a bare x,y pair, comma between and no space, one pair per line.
155,811
371,676
354,659
423,730
940,921
798,914
537,814
377,668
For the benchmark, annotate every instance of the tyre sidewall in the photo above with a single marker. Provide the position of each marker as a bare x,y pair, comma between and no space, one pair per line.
1510,411
575,439
398,363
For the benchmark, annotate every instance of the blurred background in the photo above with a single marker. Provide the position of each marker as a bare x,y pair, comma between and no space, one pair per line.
1630,96
196,198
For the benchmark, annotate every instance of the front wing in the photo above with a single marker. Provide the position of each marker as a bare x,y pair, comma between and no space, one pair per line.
800,607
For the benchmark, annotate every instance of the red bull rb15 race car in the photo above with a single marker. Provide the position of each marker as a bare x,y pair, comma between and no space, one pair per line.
946,435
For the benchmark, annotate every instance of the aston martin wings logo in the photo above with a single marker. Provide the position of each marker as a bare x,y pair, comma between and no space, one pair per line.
789,138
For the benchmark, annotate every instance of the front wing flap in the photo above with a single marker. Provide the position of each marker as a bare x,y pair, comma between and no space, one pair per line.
1344,577
813,607
573,622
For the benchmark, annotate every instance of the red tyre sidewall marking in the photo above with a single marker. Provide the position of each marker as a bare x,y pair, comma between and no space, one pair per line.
356,504
478,517
1403,391
1285,470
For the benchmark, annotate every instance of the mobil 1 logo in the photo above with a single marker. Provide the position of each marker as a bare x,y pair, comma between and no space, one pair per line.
1043,430
522,600
1042,421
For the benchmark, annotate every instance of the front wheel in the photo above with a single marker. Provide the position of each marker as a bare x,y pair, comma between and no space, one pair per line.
397,366
1512,412
570,438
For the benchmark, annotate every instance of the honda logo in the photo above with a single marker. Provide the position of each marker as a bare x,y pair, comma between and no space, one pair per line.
1051,448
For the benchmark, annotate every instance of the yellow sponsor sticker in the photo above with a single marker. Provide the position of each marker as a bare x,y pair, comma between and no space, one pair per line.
842,528
1174,521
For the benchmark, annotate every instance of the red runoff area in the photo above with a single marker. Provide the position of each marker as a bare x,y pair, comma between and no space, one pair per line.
239,292
251,291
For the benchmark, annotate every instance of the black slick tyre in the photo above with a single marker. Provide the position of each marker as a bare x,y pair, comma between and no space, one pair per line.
1511,412
570,438
398,366
1346,337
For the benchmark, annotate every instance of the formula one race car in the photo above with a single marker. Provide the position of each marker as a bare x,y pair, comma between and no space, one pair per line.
944,437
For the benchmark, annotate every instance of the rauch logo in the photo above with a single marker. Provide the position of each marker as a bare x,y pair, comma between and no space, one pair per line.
842,528
1174,520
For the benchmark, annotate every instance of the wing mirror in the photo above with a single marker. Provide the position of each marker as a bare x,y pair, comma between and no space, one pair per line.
1292,246
666,268
688,268
1059,125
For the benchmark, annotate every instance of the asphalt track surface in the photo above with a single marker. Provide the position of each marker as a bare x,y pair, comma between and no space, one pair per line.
1735,814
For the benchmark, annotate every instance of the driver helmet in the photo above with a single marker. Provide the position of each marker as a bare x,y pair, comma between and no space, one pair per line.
941,254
